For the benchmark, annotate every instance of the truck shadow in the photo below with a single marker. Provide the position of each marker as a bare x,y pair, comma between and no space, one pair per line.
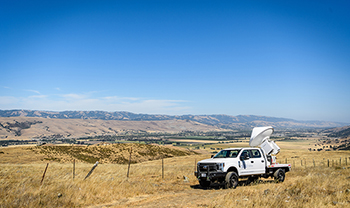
218,186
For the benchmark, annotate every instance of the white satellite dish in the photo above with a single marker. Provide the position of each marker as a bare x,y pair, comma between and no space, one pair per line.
259,134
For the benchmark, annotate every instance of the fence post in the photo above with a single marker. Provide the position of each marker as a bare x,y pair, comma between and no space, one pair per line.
92,169
313,160
328,162
340,162
286,161
127,175
195,165
301,162
346,161
73,169
162,168
42,179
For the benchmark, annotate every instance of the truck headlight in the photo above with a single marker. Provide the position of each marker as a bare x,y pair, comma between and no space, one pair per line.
221,166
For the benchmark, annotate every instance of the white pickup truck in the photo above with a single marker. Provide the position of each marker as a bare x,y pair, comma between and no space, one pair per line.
229,165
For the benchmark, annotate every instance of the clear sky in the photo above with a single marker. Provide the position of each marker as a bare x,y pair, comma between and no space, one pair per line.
273,58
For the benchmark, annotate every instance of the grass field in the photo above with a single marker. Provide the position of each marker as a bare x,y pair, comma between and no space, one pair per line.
309,184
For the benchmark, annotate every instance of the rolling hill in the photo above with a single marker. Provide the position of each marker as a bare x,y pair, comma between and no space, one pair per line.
109,153
342,132
13,128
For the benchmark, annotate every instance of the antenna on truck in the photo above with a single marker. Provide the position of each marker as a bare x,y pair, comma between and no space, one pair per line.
261,137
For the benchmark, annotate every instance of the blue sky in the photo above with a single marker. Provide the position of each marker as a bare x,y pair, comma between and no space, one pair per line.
272,58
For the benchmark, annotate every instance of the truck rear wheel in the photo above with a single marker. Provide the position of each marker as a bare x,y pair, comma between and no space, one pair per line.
279,175
231,180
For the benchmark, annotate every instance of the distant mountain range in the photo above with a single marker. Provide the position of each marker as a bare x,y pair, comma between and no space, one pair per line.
221,121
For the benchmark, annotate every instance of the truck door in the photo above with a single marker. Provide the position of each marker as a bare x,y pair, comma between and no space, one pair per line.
253,164
246,168
258,161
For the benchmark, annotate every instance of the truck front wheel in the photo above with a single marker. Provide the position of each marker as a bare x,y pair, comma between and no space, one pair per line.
231,180
279,175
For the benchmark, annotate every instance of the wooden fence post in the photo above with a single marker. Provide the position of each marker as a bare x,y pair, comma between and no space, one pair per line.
301,162
346,161
127,175
328,162
92,169
313,160
73,169
340,162
286,161
42,179
162,168
195,165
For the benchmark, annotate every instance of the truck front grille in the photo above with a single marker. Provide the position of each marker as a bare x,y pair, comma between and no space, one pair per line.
205,167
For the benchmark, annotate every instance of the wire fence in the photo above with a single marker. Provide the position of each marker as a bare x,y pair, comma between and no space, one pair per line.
164,170
316,162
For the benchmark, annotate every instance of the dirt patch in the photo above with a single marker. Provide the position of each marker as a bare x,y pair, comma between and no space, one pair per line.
193,197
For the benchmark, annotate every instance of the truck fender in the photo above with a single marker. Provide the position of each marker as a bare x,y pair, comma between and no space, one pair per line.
233,169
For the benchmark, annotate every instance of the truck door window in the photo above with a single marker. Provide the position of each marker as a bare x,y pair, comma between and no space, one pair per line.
246,152
255,153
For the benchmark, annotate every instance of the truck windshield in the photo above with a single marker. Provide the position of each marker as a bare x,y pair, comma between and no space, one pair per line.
227,153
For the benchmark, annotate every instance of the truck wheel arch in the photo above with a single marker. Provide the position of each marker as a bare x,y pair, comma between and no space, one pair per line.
233,169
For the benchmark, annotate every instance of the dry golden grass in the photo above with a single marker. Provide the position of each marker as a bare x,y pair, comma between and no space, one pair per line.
304,187
20,183
22,155
108,186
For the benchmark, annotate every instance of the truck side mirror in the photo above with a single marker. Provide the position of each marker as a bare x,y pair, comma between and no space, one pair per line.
211,156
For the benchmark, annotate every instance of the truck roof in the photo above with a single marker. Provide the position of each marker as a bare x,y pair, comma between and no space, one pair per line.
238,148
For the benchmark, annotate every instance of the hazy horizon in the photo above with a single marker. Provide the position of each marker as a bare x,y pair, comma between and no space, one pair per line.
278,117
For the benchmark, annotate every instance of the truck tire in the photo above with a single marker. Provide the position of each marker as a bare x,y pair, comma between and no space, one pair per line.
231,180
279,175
204,184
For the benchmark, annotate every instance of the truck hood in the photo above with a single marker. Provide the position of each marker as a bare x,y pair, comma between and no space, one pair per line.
217,160
210,160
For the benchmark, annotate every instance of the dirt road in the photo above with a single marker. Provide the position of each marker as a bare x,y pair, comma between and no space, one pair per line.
192,197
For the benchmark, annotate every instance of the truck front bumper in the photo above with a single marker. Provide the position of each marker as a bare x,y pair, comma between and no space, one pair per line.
209,176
